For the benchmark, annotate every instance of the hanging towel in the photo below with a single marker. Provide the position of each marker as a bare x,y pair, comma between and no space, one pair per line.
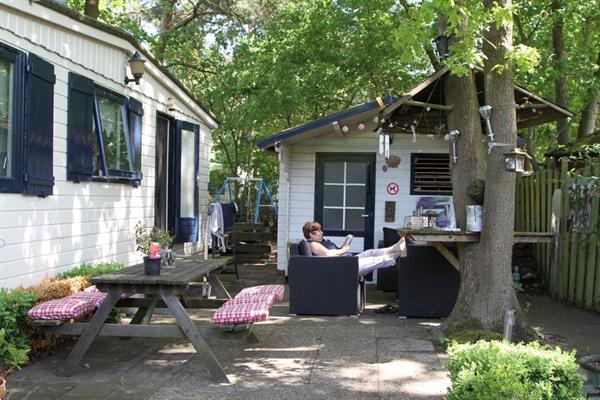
214,224
229,211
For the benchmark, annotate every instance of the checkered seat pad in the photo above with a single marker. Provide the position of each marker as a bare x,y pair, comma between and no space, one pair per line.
63,309
95,297
94,289
250,298
241,313
275,290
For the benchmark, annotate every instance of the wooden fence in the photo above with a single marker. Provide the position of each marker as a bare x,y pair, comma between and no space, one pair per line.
570,266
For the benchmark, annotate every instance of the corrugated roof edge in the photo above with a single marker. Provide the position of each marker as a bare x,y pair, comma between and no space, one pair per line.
288,133
124,35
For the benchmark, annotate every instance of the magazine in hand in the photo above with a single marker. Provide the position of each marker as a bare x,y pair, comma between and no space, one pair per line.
348,240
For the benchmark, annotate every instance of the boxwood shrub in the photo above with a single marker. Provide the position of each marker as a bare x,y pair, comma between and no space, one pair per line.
501,370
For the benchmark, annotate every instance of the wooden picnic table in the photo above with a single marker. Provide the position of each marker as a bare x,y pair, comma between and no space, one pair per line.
438,238
170,286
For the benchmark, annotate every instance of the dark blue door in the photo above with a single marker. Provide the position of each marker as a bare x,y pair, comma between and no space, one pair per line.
186,170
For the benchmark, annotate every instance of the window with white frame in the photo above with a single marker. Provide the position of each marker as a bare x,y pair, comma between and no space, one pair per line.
6,117
104,134
344,195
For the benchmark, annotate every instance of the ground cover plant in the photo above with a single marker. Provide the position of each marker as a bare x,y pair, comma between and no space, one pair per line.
501,370
21,341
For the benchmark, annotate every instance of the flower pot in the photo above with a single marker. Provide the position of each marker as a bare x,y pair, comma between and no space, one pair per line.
2,388
591,365
151,266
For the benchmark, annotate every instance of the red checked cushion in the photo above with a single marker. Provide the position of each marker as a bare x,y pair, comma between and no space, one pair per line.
252,298
241,313
95,297
65,308
94,289
275,290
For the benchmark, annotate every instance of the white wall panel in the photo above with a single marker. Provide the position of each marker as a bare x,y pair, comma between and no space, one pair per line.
88,222
300,167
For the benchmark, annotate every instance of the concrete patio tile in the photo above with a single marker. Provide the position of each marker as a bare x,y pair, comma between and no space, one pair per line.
391,346
19,391
412,375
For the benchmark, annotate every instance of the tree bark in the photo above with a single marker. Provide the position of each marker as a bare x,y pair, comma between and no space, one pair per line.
560,83
589,114
496,293
91,8
461,92
531,148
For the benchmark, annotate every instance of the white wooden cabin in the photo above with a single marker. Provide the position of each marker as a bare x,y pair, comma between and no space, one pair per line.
331,169
71,193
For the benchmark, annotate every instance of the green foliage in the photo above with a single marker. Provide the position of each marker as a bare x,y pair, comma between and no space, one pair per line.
501,370
144,236
10,355
15,326
91,270
469,331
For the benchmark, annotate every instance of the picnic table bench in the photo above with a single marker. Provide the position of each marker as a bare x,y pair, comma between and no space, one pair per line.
168,289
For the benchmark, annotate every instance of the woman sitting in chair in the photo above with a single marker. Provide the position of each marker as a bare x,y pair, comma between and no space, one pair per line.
368,260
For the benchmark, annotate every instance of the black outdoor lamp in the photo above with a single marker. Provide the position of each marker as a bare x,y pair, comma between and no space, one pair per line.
136,64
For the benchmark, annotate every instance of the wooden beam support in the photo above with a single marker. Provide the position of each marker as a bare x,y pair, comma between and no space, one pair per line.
447,254
337,128
434,106
530,105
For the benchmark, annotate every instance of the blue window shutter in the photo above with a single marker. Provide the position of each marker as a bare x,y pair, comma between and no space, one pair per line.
80,129
39,110
135,136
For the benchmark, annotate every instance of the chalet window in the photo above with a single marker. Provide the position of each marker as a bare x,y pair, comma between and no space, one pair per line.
104,134
430,174
26,123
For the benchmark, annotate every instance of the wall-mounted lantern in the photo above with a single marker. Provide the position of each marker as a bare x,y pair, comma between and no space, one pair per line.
514,161
136,64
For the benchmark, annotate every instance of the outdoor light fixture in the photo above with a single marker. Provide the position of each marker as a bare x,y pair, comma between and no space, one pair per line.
514,161
486,114
136,64
452,137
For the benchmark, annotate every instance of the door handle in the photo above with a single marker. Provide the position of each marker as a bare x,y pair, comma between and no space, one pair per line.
365,215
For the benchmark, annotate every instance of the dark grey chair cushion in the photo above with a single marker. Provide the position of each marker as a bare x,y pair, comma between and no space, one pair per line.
304,248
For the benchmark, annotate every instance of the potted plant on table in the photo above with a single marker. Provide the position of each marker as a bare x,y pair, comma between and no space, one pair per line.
149,241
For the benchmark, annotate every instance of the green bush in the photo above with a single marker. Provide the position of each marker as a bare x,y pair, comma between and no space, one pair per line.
10,355
501,370
91,271
15,326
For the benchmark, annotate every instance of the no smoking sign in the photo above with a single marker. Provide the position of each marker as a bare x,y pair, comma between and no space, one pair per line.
392,188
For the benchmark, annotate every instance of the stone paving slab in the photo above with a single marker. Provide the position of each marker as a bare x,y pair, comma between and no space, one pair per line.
309,357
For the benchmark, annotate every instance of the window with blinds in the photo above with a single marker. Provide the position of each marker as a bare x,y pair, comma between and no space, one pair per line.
430,174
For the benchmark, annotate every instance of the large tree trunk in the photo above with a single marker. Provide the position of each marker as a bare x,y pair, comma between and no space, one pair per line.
560,84
461,93
496,293
589,114
91,8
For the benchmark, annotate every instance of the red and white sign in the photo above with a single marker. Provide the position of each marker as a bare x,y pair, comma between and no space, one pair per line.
392,188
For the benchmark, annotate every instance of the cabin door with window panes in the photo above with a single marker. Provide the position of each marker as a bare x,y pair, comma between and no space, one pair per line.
177,168
345,197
